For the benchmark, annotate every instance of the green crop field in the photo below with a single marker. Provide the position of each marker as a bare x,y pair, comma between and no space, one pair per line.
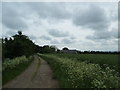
103,60
84,70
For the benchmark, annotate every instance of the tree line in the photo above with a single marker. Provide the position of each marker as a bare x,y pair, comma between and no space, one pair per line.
98,52
92,52
19,45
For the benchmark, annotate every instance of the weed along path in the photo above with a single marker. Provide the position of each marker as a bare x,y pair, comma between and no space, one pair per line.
37,75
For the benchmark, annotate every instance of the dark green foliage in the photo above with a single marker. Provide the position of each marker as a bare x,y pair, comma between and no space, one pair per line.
47,49
65,48
18,46
20,33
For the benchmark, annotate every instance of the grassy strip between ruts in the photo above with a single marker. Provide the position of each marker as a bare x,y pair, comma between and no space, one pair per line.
14,67
35,72
72,73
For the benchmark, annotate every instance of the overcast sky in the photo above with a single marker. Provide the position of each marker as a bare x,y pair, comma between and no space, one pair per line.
76,25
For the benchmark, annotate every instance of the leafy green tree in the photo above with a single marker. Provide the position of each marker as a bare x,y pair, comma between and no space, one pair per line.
18,46
52,49
65,48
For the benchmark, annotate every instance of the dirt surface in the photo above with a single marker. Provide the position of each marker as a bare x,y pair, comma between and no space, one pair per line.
37,75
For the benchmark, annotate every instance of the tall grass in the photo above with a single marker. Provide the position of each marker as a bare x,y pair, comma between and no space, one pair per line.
72,73
12,68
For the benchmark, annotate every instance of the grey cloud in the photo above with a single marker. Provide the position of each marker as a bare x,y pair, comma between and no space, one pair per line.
15,14
50,10
119,11
45,37
63,41
100,36
11,18
0,12
115,33
55,42
20,16
33,37
9,33
118,33
114,16
72,37
104,35
67,41
58,33
94,17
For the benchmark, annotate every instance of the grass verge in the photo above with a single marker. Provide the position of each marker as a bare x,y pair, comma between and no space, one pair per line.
72,73
14,67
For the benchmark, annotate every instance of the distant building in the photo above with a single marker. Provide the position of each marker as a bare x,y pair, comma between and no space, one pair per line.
69,51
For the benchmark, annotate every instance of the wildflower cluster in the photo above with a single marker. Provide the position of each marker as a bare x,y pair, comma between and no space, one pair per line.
14,62
74,73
